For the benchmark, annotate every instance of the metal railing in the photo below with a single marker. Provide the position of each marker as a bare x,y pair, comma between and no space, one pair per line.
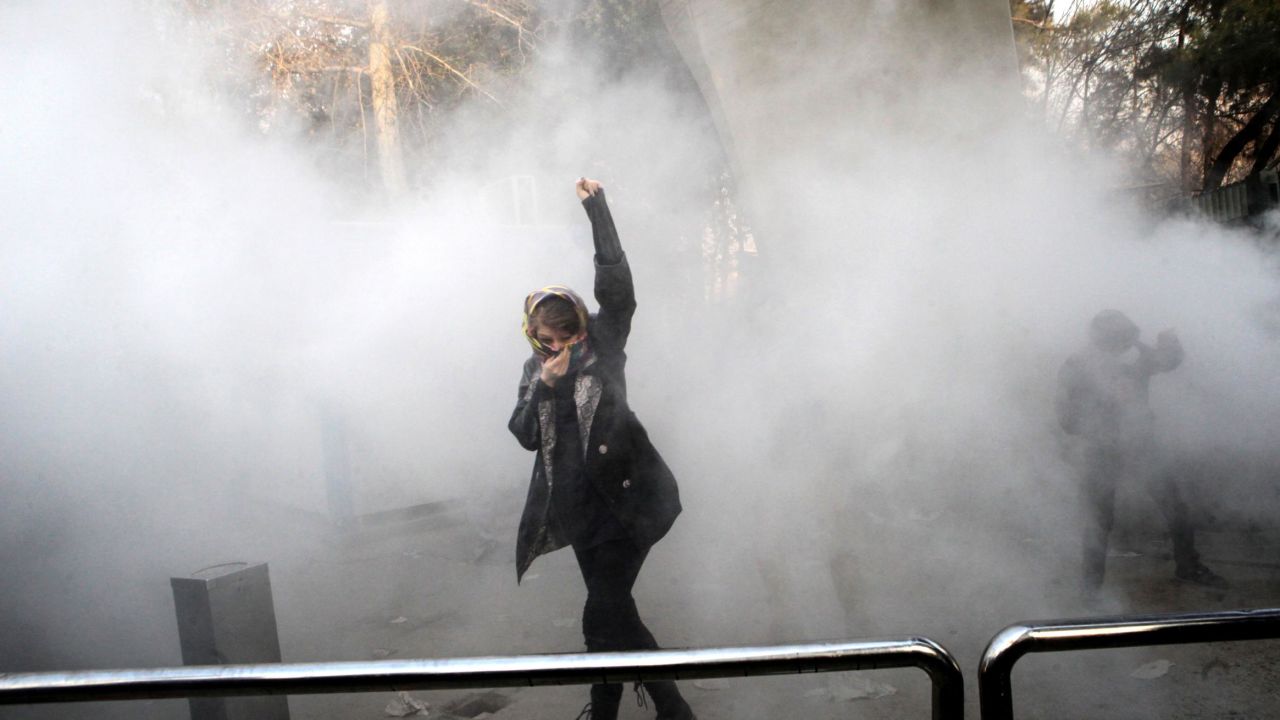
487,672
995,694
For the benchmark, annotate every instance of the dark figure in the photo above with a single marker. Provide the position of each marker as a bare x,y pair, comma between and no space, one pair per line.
598,483
1103,401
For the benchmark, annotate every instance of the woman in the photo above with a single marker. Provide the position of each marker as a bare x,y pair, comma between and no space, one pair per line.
598,483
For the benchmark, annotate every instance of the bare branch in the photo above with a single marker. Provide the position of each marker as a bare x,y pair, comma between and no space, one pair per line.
443,63
496,13
333,20
521,30
1024,21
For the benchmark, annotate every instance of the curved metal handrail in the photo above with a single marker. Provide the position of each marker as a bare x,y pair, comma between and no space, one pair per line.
505,671
995,694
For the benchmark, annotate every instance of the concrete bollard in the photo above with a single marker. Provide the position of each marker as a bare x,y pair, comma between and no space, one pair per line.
226,616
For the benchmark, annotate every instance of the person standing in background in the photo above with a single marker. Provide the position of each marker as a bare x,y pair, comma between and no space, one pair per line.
1103,401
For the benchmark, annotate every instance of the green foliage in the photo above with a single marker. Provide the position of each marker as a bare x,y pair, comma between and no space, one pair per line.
1240,48
1172,84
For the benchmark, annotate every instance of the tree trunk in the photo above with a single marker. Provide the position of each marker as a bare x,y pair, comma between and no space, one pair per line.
1084,108
1188,106
1213,12
383,82
1208,127
1251,131
1267,150
1188,131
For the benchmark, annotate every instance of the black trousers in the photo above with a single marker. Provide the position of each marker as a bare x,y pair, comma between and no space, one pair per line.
611,622
1105,467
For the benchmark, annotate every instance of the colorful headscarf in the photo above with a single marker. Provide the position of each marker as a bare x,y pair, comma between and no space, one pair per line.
535,298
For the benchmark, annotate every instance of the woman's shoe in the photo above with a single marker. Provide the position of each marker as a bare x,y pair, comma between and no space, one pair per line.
1201,575
604,703
683,712
671,704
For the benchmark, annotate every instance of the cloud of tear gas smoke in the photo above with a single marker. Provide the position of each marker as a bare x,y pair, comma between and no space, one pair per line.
881,449
190,308
203,336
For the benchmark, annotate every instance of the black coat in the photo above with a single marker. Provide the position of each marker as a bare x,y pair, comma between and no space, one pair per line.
619,460
1104,399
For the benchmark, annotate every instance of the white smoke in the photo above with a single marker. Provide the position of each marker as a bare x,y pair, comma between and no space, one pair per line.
186,301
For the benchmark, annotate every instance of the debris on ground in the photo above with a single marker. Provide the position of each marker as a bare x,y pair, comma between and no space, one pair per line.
477,704
711,684
380,653
400,620
855,688
1152,670
404,705
1216,662
858,688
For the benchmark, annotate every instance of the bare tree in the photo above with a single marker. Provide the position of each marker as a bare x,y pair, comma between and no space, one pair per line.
385,108
370,80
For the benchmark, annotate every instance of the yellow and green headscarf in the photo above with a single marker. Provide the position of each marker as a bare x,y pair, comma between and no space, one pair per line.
535,298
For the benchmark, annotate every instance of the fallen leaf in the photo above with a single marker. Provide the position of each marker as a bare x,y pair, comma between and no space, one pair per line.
711,684
860,688
1152,670
404,705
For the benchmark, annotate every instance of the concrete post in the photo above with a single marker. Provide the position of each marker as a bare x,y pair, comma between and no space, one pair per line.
226,616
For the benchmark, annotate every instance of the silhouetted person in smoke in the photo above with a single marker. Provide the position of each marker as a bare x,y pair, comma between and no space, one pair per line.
1103,400
598,483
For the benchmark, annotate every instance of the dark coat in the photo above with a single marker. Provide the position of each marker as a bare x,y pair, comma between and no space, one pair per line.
1104,399
619,459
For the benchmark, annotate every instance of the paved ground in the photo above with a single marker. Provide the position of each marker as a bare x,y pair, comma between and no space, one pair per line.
445,588
448,591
